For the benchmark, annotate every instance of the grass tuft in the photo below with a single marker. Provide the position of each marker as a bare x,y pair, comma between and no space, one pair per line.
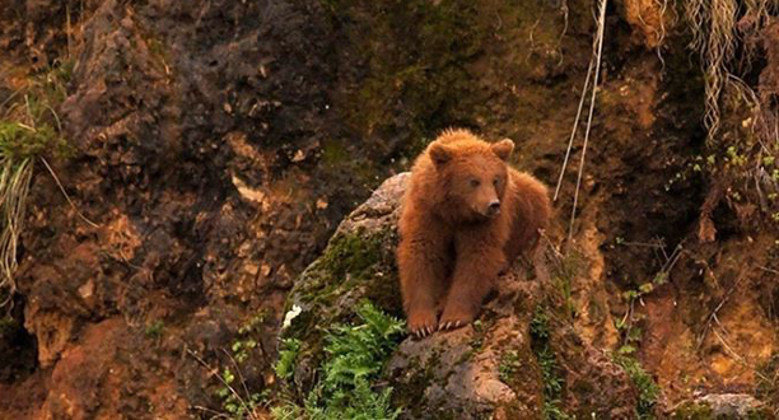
29,129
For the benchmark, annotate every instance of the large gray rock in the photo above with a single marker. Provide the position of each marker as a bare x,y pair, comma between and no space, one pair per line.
722,407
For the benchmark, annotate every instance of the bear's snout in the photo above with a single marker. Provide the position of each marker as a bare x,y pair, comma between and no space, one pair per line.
493,208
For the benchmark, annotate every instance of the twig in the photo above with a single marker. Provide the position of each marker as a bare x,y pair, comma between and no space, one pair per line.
67,26
713,314
671,261
67,197
9,98
652,245
240,377
728,348
221,379
768,270
217,415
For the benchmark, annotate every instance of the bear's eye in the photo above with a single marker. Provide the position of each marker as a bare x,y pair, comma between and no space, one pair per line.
496,181
475,182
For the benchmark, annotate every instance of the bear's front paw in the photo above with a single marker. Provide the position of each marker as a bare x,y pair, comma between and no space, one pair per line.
422,323
452,320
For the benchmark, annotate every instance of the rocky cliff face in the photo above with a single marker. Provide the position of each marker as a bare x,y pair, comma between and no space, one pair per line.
216,146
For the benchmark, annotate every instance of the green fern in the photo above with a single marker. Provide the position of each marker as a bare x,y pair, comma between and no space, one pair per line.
649,391
285,366
355,358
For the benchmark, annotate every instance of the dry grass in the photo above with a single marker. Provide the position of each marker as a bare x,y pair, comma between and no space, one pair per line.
29,129
14,187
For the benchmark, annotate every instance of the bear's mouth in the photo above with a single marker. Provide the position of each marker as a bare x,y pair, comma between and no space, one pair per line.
485,215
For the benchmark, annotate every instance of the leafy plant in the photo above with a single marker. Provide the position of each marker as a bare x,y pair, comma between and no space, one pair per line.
355,358
647,388
547,361
631,334
235,405
285,366
237,398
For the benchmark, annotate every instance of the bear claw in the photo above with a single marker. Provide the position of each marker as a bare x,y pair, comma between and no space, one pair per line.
450,325
423,331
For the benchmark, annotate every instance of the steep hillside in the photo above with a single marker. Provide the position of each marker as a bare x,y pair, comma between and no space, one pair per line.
187,161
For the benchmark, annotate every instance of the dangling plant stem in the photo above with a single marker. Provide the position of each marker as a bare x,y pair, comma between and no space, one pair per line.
595,63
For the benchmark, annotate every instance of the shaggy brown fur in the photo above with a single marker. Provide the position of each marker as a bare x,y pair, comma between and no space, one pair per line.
466,216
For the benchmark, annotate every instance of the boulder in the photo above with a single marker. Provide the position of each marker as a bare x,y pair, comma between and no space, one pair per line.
520,359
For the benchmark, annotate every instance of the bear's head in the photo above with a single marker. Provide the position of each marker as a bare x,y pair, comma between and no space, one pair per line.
473,174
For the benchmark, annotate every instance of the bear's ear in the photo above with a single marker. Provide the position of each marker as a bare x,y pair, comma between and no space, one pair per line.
440,154
503,148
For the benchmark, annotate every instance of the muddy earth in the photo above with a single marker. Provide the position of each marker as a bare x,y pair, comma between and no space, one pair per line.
220,155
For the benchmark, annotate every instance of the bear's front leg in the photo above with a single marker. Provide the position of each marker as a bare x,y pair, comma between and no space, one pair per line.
479,261
422,264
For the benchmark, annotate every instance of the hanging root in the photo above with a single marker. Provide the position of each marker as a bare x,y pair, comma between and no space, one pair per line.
14,188
719,28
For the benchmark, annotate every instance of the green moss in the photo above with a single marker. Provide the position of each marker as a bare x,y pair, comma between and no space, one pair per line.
347,257
354,266
352,260
154,330
551,375
342,158
412,395
509,366
692,411
334,153
647,388
352,255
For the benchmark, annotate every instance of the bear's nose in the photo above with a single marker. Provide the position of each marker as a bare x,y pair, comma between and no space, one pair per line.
494,207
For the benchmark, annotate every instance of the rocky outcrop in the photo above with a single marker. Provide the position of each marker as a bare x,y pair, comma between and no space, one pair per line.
489,368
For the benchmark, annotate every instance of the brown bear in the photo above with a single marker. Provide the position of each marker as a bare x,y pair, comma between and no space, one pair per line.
466,216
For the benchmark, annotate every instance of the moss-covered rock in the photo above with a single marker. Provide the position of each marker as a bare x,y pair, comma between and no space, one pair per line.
721,407
358,263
